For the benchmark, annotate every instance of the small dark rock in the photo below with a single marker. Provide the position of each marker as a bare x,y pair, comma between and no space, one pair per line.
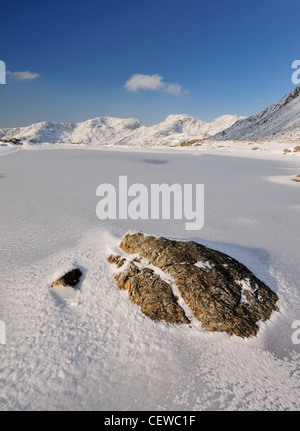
70,279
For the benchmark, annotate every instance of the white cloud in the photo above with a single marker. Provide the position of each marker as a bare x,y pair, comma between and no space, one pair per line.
144,82
23,76
175,89
155,82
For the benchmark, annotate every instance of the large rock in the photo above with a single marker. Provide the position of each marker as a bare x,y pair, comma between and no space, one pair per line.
149,291
221,292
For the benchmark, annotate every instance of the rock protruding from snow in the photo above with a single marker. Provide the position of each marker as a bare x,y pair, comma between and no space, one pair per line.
70,279
219,291
149,291
279,121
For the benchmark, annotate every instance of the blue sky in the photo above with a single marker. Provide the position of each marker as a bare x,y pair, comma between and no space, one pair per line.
202,58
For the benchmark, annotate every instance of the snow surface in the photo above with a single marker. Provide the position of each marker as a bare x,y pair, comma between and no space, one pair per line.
98,351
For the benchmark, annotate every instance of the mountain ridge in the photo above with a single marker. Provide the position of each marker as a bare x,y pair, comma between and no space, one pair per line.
280,121
118,131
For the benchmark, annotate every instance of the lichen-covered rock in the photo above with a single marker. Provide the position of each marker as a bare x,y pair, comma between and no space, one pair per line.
221,292
149,291
70,279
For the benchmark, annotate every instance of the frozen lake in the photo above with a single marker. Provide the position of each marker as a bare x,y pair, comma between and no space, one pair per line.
102,352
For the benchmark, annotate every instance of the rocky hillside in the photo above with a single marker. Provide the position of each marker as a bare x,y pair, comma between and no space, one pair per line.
281,121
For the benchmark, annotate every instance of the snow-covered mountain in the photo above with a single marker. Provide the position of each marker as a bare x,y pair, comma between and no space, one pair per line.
96,131
176,129
115,131
281,121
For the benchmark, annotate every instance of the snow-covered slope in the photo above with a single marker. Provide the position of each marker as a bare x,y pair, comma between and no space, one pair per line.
107,130
176,129
279,121
96,131
222,123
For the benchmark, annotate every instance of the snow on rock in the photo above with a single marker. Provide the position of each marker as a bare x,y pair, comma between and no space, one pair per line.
224,299
66,287
279,121
148,290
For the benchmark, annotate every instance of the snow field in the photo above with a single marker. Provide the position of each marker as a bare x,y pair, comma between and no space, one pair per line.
97,350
